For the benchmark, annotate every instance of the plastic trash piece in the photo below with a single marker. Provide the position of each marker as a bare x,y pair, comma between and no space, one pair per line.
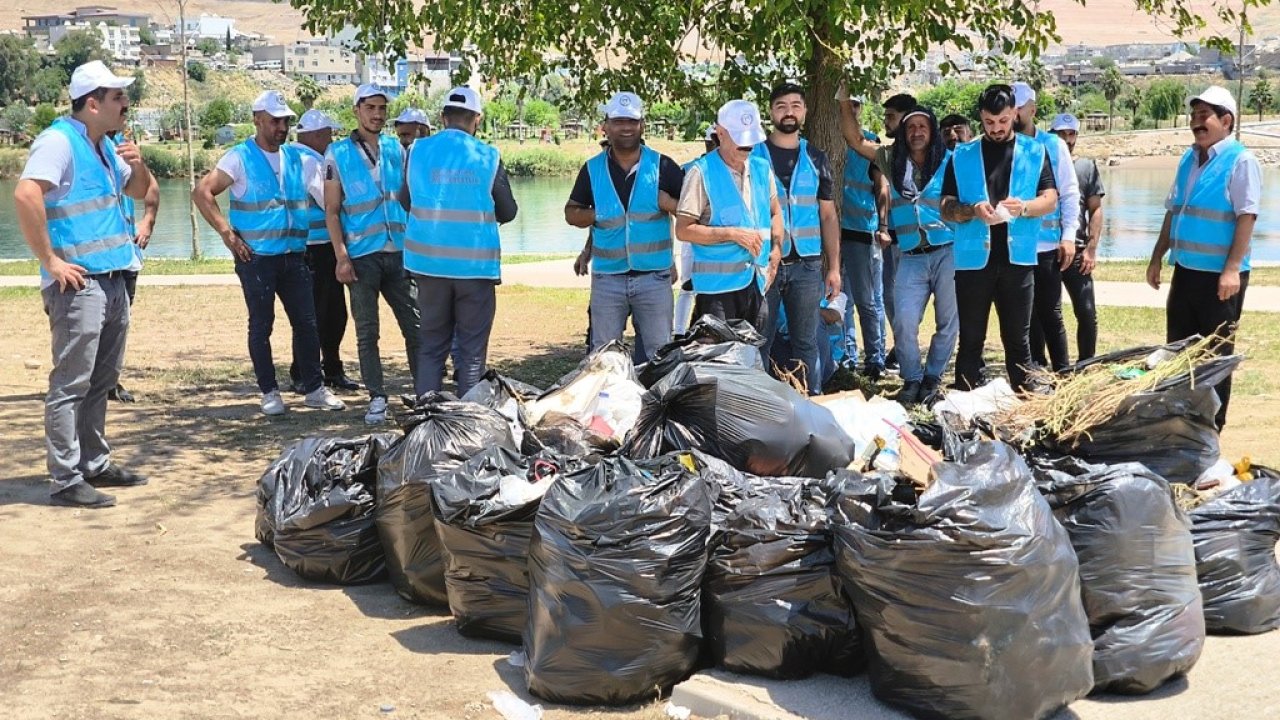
484,519
442,434
677,712
1235,538
615,572
710,339
741,415
509,397
863,421
602,395
970,598
511,707
1137,571
991,398
316,505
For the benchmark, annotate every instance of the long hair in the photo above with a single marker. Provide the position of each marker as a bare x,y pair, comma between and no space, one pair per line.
933,154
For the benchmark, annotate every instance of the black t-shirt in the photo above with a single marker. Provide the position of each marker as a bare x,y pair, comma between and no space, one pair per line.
784,166
997,160
670,181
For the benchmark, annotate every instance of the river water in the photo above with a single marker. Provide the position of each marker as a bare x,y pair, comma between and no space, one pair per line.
1134,209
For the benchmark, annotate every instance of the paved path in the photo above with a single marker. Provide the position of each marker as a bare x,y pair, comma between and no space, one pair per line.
559,274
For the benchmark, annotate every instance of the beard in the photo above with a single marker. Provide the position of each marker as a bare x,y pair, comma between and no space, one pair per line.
1019,125
788,126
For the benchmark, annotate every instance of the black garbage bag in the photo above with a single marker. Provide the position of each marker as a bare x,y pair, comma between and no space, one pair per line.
774,603
316,505
1137,571
508,396
1235,541
601,396
484,518
615,571
1171,431
970,598
743,416
441,435
709,339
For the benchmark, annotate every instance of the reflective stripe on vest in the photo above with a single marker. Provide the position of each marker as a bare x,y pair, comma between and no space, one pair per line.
271,220
726,267
800,218
452,230
858,201
638,238
1051,224
908,217
87,226
1203,223
973,238
317,232
372,218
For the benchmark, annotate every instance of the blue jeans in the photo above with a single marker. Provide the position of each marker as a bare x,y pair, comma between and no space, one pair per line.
382,274
892,256
263,278
798,288
645,297
862,265
920,276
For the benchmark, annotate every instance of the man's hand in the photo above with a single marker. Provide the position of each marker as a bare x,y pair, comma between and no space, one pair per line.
237,246
67,275
131,155
1088,260
884,238
833,284
770,272
1066,254
675,274
582,264
346,272
143,237
1153,274
749,240
1015,206
1228,284
984,212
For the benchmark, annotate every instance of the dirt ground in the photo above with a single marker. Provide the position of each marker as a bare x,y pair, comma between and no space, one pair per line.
165,606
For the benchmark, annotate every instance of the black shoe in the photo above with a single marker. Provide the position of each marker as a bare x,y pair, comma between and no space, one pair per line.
295,386
342,382
891,360
873,372
910,393
119,394
82,495
116,476
929,389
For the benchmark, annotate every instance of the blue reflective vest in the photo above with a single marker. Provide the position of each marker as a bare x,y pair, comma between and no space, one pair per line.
87,226
801,222
635,238
453,232
1203,222
272,220
317,231
1051,224
372,217
726,267
130,220
858,206
909,216
973,238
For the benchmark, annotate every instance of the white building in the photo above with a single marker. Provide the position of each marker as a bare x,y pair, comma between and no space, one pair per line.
214,27
325,63
119,40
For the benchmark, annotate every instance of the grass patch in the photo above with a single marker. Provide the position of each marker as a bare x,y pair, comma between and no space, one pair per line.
1136,271
224,266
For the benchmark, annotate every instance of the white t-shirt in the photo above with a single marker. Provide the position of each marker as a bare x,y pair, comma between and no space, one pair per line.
232,165
312,174
51,160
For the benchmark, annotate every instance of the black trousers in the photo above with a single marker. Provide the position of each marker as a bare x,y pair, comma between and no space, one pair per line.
331,309
1011,288
1047,327
1193,308
745,304
1080,288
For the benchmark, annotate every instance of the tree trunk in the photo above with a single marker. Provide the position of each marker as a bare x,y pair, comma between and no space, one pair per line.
1111,114
822,128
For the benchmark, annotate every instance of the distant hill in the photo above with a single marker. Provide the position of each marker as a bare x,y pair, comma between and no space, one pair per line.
261,16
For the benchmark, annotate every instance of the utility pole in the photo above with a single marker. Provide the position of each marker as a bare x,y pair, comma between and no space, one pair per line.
1244,19
186,109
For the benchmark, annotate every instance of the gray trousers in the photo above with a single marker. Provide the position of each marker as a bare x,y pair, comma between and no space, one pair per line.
457,316
382,274
88,329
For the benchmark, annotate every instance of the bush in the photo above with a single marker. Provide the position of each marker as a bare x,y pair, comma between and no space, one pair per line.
197,71
12,161
540,162
168,164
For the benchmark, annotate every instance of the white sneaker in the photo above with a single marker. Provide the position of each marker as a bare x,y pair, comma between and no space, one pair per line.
323,399
272,403
377,411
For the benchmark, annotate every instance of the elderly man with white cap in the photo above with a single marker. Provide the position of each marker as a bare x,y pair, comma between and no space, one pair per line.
1056,246
1208,229
267,235
69,211
626,195
411,125
1078,279
456,193
729,212
362,181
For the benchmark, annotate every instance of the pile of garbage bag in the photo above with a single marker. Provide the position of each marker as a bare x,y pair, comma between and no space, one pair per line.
1235,538
709,339
591,408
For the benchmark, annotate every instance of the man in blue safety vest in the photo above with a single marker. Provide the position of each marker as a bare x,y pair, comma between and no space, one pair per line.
729,212
140,228
626,195
267,235
457,194
1208,230
996,190
810,266
69,211
363,175
410,125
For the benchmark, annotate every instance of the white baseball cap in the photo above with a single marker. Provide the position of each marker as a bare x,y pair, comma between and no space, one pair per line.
1220,96
412,115
624,105
313,120
368,90
93,75
710,134
1064,121
465,98
1022,94
741,119
273,104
